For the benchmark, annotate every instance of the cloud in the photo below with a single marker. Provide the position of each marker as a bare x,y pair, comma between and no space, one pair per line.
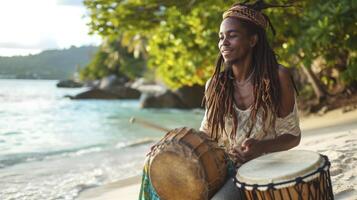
70,2
43,24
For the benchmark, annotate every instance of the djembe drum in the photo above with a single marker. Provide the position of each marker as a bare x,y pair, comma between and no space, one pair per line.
287,175
187,164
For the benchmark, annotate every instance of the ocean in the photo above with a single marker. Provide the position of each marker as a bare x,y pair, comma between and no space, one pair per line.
52,147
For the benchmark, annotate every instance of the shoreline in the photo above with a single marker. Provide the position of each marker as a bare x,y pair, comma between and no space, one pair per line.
314,128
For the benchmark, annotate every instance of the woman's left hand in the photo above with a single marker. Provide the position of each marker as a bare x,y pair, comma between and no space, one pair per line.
251,148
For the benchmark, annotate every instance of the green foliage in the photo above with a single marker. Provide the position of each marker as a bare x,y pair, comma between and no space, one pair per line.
350,74
49,64
112,58
318,29
179,38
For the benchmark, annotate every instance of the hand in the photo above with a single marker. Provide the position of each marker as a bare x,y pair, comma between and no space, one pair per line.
236,155
251,148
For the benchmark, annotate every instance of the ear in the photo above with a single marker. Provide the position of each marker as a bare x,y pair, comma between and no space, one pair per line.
253,40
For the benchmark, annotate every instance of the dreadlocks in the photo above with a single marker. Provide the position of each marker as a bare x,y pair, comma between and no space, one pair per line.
219,96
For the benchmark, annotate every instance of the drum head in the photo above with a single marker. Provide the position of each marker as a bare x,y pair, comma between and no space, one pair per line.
279,167
186,182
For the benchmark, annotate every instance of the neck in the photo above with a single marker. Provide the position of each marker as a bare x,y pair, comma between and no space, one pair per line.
242,69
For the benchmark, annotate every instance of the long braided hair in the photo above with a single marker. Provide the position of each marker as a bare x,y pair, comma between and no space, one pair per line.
219,96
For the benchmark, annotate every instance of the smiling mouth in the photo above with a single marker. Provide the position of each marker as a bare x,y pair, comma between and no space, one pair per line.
226,51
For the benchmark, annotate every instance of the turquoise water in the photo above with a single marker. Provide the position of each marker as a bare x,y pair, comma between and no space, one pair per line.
53,148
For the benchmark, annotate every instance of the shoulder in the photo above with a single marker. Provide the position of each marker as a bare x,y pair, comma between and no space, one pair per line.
213,80
207,83
284,74
285,79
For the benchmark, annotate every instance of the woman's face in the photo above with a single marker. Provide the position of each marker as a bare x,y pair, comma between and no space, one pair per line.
234,42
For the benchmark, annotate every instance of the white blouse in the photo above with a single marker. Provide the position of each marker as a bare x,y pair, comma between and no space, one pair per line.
287,125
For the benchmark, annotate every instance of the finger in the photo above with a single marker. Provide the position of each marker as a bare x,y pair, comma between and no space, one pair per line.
235,150
239,160
241,157
237,157
248,142
245,154
244,148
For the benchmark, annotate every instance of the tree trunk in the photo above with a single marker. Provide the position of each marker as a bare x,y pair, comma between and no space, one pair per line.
319,91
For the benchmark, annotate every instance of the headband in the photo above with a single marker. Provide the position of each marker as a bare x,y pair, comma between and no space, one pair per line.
243,12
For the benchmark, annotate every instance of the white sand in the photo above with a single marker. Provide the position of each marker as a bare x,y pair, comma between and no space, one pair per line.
334,135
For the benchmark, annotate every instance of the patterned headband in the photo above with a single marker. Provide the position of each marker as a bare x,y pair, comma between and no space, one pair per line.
243,12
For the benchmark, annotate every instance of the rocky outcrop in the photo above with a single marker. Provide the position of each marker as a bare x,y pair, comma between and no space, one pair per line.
111,81
94,94
191,97
186,98
147,86
123,92
167,99
151,95
119,92
69,84
110,87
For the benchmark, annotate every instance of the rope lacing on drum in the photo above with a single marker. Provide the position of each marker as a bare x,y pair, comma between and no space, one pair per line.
330,192
298,189
323,168
323,191
271,191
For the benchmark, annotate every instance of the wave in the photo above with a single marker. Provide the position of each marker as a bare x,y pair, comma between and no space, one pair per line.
14,159
11,133
136,143
18,158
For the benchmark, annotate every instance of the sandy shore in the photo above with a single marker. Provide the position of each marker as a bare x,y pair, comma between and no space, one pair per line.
333,134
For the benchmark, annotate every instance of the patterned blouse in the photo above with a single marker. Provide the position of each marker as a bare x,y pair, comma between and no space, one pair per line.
287,125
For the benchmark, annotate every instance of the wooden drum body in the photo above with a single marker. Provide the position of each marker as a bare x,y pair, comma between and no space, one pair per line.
187,164
288,175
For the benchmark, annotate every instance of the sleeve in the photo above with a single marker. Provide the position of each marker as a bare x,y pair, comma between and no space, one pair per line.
204,124
290,124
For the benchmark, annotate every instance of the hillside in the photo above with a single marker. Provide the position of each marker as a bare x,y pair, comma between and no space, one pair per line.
49,64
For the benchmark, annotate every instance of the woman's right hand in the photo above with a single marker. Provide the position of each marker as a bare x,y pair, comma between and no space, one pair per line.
236,155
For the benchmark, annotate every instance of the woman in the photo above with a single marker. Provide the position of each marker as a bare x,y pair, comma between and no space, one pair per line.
250,99
250,104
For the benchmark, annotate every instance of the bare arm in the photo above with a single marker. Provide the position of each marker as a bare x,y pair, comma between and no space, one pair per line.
284,141
252,148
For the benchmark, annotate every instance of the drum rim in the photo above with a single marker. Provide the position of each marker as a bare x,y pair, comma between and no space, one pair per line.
186,147
266,169
300,179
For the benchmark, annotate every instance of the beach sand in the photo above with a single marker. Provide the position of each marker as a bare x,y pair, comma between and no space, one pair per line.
333,134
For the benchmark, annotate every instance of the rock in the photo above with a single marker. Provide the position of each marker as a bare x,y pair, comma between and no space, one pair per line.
123,92
167,99
119,92
69,84
112,81
94,94
191,96
186,98
139,82
147,86
92,83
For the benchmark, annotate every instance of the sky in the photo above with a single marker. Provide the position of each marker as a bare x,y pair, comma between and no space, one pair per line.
31,26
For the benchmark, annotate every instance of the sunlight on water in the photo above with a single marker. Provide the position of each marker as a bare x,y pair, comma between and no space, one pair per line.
53,147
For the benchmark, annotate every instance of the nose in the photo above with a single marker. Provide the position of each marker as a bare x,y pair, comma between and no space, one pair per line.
223,42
